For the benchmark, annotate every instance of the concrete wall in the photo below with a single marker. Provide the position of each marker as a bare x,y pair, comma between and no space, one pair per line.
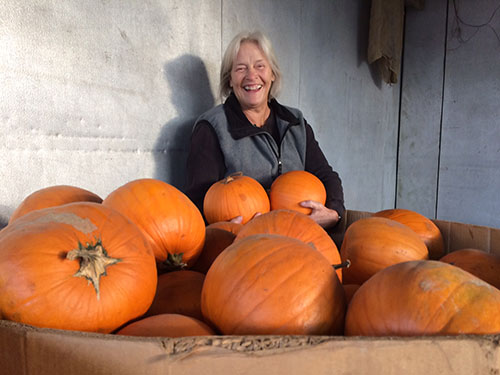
95,94
449,155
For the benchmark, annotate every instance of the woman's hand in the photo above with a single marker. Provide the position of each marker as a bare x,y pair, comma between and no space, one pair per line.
322,215
239,219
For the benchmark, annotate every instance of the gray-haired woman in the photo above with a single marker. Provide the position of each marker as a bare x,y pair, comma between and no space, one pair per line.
254,134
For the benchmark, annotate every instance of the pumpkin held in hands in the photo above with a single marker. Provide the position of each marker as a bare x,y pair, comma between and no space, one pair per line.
233,196
291,188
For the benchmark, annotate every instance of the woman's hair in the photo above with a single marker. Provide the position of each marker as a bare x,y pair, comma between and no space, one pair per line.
232,50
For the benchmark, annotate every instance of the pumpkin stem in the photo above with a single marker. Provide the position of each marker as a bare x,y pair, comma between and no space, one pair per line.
345,264
231,177
93,262
172,263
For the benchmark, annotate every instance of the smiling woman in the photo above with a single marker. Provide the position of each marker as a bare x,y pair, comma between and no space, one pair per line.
251,133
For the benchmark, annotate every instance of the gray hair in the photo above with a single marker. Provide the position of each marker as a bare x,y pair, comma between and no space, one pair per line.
231,52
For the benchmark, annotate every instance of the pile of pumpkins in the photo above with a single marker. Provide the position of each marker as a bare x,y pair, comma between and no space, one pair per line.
143,262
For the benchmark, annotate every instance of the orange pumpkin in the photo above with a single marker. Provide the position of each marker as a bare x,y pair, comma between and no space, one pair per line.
227,225
272,284
291,188
296,225
424,297
481,264
79,266
235,195
53,196
423,226
373,243
349,290
178,292
216,240
171,223
167,325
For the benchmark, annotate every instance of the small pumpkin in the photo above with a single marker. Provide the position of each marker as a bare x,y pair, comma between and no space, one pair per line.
481,264
53,196
171,223
293,187
178,292
233,196
272,284
167,325
80,266
296,225
373,243
423,297
423,226
216,240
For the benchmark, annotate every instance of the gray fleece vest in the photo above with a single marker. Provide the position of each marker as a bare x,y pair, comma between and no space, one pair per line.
258,155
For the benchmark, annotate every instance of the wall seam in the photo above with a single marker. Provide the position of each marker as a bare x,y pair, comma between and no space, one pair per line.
442,109
398,139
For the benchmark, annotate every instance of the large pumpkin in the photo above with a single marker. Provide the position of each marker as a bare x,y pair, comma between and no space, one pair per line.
293,187
53,196
423,298
296,225
235,195
167,325
178,292
80,266
373,243
423,226
272,284
171,223
481,264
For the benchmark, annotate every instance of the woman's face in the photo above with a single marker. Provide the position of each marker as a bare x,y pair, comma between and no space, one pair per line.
251,77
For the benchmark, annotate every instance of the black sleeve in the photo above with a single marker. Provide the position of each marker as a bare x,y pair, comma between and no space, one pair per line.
317,164
205,163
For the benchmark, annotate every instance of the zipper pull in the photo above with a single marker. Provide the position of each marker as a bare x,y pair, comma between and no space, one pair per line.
280,165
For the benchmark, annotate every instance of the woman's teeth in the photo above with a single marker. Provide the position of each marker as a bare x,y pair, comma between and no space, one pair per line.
252,88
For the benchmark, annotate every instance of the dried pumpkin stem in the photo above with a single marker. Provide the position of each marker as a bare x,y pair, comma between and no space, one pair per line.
231,177
173,263
94,260
345,264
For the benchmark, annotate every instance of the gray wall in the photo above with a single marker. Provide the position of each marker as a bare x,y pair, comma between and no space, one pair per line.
95,94
449,152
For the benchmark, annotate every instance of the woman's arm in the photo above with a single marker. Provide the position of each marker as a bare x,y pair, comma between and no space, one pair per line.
205,163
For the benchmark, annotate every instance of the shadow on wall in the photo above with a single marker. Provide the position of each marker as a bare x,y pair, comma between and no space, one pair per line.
191,95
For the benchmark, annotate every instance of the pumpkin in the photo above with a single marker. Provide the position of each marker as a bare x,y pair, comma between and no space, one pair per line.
233,196
425,297
178,292
171,223
349,290
481,264
293,187
167,325
227,226
216,240
80,266
272,284
296,225
373,243
423,226
53,196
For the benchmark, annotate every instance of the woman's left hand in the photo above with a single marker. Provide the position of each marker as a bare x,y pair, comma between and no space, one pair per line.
324,216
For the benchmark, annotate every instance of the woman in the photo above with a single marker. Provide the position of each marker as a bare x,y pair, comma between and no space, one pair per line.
252,133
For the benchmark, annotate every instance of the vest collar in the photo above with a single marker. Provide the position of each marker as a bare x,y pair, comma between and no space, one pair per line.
238,124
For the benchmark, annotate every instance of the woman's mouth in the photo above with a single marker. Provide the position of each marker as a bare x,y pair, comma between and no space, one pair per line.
252,87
